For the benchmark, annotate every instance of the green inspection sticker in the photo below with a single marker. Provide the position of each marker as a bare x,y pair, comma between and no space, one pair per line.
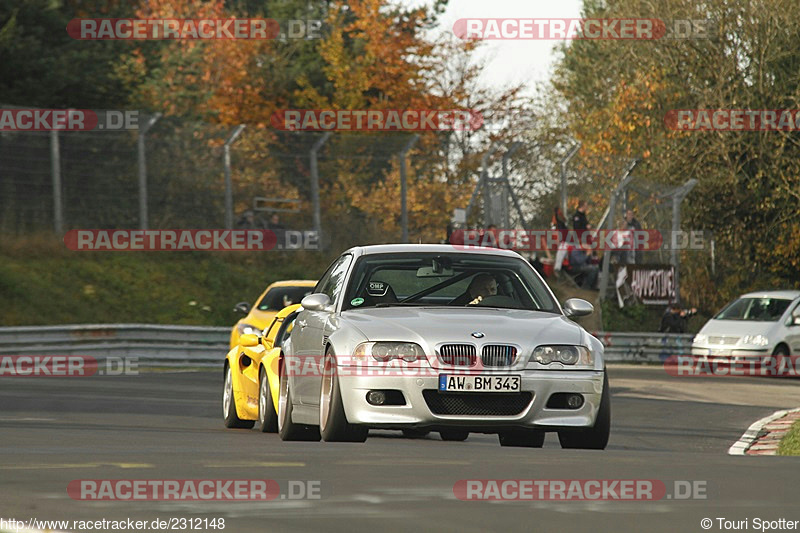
356,301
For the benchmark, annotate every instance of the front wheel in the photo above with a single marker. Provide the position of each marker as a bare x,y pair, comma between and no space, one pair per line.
288,430
776,359
594,438
232,420
267,417
333,424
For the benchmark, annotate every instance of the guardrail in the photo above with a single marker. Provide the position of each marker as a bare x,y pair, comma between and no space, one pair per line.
644,347
150,344
206,346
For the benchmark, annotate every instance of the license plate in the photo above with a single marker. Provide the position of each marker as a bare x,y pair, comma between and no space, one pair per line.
457,383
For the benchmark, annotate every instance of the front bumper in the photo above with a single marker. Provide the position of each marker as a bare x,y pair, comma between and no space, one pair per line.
711,350
417,413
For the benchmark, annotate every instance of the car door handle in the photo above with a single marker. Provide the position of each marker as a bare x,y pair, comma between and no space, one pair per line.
302,323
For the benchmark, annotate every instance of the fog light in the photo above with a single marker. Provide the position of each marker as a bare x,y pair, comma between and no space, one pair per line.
574,401
376,397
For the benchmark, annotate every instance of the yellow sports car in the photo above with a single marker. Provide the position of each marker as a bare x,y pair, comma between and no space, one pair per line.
277,296
251,375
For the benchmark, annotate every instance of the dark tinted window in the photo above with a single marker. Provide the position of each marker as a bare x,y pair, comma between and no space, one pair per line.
427,279
754,309
279,297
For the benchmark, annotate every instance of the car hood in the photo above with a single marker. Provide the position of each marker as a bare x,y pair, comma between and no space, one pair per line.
429,327
737,328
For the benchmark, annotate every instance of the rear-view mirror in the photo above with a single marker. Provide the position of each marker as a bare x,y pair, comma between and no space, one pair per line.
242,307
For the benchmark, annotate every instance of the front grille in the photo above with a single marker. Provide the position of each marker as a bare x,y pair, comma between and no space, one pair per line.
498,355
724,339
477,403
458,354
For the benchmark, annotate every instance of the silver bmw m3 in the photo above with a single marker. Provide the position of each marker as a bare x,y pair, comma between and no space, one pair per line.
437,338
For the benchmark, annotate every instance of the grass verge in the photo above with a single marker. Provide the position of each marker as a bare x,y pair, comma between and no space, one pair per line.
42,283
790,443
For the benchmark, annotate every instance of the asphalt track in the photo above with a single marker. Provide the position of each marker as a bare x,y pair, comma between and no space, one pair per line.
169,426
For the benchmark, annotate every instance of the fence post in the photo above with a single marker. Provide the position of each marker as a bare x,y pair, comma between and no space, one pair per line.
228,181
611,220
404,188
507,188
674,259
55,166
482,181
564,163
316,218
143,216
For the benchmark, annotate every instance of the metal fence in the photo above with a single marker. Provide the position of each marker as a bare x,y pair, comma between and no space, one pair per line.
172,173
199,346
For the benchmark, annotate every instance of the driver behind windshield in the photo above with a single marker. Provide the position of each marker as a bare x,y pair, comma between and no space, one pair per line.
481,286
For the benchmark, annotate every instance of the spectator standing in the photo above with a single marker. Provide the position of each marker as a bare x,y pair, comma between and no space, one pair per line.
675,319
632,256
248,220
559,223
278,229
579,219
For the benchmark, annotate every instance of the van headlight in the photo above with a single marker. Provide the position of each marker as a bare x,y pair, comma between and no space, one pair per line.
564,354
700,338
754,340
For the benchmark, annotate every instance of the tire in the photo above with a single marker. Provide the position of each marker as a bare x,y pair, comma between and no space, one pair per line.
774,361
413,433
595,438
524,438
454,435
288,430
267,415
333,424
232,420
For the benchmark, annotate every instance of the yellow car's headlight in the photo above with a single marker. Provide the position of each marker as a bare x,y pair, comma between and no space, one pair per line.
247,329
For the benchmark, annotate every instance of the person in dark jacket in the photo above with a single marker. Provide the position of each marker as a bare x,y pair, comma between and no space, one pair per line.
580,263
579,220
675,319
631,256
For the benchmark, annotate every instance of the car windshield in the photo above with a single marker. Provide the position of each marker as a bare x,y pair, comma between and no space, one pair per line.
279,297
754,309
456,280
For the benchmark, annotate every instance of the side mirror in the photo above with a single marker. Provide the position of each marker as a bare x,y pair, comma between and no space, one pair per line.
248,340
575,307
795,320
242,307
316,302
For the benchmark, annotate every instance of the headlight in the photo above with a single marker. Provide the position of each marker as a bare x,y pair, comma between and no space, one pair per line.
386,351
247,329
754,340
566,355
700,338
